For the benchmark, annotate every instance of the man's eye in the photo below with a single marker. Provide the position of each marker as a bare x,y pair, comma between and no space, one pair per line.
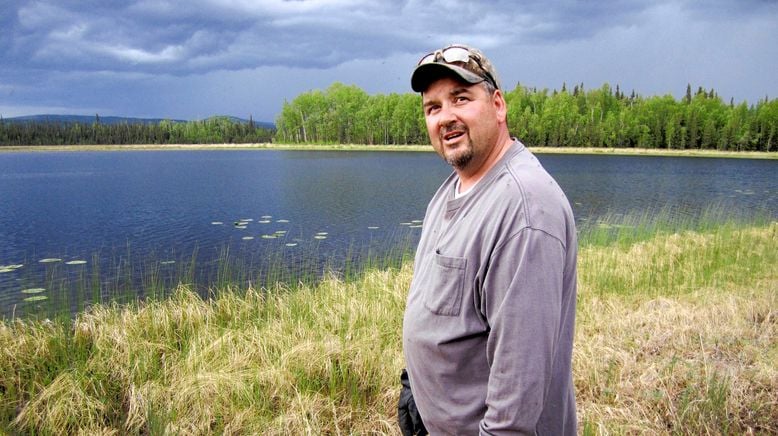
432,109
461,99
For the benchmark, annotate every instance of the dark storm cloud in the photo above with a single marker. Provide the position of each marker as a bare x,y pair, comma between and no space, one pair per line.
183,58
181,37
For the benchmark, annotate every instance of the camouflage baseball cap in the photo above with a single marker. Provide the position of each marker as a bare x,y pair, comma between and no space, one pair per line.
467,63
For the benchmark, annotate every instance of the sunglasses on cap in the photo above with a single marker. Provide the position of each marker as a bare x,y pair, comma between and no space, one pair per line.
456,53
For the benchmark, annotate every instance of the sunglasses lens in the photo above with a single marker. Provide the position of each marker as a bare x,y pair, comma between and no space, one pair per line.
456,54
451,54
427,59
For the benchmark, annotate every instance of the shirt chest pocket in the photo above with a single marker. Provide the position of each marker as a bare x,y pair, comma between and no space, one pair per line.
444,285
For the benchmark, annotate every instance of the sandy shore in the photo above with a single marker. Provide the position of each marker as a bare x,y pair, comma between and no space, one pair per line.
360,147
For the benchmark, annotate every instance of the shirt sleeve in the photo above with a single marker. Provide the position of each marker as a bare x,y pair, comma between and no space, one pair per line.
522,303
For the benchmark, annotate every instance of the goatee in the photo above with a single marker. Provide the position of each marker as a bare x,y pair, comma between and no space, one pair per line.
461,160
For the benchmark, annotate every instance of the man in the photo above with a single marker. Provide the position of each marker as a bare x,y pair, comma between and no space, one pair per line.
488,328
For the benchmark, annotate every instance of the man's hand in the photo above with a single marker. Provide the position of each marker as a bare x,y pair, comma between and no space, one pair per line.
407,414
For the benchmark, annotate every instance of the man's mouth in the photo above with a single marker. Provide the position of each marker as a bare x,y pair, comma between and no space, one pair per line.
453,134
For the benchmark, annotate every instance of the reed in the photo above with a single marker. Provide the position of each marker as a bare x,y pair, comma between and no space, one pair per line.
676,333
126,276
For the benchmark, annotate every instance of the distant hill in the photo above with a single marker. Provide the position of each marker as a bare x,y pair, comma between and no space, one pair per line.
263,124
89,119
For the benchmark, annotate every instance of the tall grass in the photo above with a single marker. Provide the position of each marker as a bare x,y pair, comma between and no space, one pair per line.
124,277
677,333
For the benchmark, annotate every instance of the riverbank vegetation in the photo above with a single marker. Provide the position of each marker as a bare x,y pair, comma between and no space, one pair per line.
215,130
576,117
677,333
600,118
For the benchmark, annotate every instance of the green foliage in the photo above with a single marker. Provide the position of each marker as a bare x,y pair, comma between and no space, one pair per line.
597,118
347,115
218,130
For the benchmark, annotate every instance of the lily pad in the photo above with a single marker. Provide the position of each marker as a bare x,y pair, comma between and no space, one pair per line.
264,221
36,298
240,227
50,260
372,227
247,238
319,237
33,290
291,244
75,262
322,234
167,262
217,223
266,217
9,268
269,236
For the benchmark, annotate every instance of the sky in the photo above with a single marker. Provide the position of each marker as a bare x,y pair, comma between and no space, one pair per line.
191,59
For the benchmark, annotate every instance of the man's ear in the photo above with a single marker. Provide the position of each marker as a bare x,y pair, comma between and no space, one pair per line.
500,106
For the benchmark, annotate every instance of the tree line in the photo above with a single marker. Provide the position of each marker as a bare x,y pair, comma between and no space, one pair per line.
600,117
345,114
216,130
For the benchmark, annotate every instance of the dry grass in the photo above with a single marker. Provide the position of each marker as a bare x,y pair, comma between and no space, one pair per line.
693,355
314,361
703,362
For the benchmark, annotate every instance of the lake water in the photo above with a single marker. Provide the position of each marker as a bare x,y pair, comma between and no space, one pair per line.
143,215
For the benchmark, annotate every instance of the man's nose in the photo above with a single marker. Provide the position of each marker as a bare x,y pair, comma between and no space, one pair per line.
446,116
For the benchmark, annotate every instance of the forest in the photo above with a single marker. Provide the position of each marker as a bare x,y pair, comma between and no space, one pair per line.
600,117
215,130
346,114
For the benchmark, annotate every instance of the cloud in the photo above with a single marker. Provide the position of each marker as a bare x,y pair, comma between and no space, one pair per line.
666,47
182,58
182,37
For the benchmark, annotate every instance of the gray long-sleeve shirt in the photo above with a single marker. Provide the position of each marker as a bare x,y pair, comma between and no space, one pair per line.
488,327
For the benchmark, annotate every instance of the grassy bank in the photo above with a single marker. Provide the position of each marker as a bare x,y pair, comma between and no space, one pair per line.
677,333
362,147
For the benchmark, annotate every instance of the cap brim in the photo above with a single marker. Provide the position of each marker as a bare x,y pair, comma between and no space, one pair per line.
425,74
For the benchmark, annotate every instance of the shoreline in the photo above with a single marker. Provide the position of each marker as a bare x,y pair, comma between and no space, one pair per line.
668,339
414,148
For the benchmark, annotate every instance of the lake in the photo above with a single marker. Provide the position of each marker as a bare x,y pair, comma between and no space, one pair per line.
108,221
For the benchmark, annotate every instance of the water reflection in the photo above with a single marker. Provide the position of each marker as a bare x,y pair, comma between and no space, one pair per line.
147,207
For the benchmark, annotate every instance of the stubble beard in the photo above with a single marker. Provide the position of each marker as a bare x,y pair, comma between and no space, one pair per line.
461,158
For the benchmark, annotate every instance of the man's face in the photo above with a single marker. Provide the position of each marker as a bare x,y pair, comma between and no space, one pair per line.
462,121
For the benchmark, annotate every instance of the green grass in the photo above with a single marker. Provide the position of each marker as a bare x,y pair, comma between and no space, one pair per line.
126,277
652,255
676,333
